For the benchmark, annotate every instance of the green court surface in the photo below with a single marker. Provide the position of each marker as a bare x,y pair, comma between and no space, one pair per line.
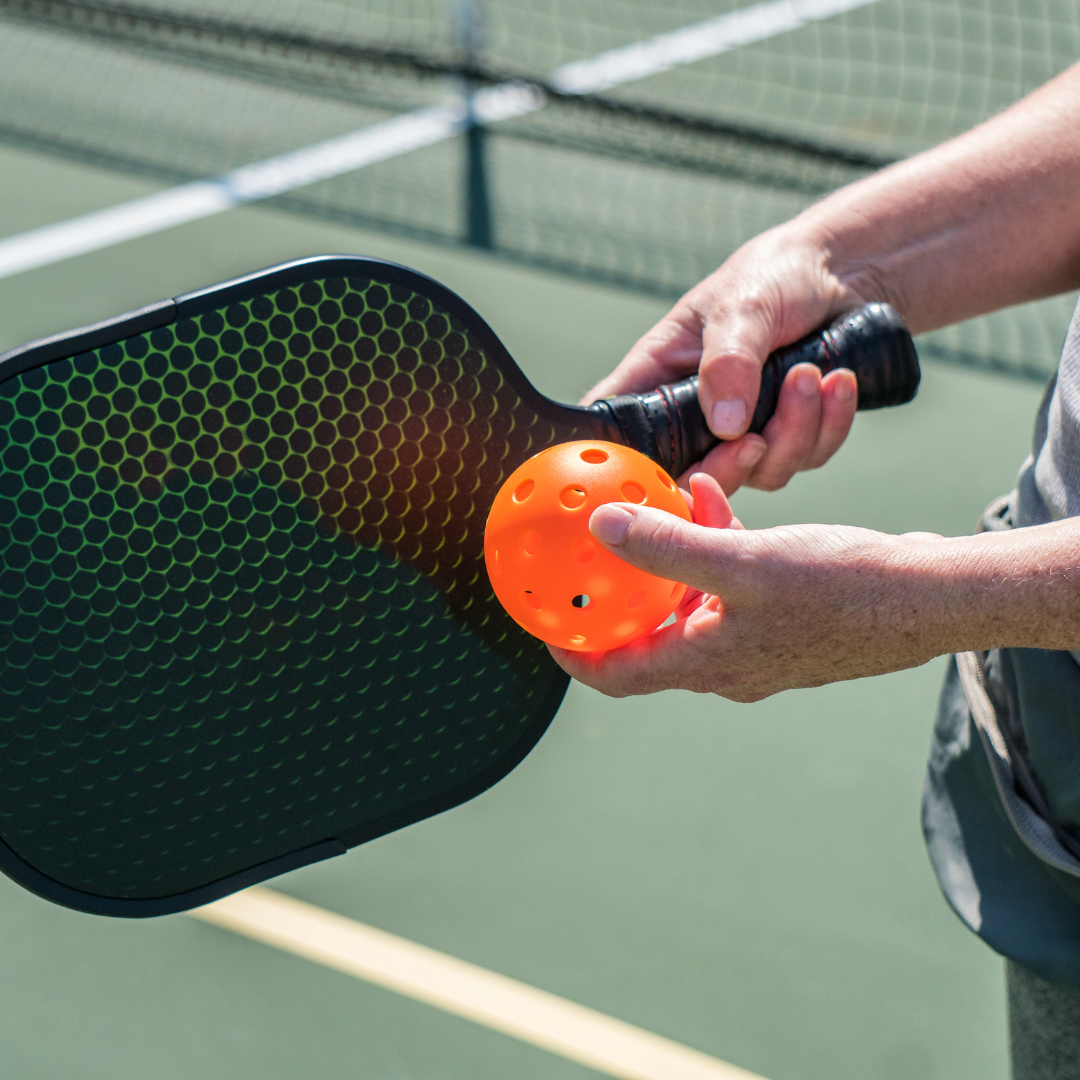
746,880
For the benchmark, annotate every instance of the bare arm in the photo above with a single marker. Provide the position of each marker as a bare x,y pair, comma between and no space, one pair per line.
986,220
989,219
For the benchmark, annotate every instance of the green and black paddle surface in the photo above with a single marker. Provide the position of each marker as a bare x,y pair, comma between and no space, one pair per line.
244,615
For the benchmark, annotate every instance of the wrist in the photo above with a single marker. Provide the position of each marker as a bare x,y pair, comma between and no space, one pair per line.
857,249
903,600
910,600
940,592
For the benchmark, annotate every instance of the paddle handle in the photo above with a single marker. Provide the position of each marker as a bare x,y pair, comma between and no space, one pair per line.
667,424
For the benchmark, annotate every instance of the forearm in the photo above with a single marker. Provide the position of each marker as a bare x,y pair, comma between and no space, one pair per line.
986,220
1018,588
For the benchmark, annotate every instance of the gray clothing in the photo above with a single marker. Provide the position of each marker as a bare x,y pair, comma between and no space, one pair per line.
1008,875
1044,1027
1018,903
1048,488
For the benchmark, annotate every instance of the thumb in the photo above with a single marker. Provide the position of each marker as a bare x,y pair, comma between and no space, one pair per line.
663,544
734,350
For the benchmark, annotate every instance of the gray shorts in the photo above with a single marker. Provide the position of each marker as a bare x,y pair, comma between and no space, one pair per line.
1044,1027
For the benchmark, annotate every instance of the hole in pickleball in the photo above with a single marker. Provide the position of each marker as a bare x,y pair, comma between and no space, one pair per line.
581,600
577,639
532,599
594,457
632,492
666,480
636,599
531,543
524,490
573,497
497,561
582,550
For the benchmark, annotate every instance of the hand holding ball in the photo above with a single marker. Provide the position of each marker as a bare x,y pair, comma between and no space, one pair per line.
549,573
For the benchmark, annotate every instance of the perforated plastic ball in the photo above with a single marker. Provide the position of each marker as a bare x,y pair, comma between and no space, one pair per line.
549,573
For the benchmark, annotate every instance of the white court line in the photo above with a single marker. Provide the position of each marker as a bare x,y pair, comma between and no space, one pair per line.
411,131
697,42
203,198
534,1016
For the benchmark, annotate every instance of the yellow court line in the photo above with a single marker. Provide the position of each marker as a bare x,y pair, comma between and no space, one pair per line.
534,1016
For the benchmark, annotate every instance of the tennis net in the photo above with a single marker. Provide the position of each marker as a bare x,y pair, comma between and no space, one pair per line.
646,142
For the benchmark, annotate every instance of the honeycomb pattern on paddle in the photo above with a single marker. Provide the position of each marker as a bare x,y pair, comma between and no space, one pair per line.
242,602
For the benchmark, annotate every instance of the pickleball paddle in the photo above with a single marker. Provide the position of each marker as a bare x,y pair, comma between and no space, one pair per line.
244,614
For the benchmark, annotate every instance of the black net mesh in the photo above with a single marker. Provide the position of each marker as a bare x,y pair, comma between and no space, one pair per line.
646,180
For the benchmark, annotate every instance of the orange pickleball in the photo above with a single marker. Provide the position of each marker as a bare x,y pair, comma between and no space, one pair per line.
549,573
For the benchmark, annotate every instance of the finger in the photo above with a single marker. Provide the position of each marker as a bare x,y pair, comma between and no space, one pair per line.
713,511
596,671
663,659
650,664
793,430
839,399
662,544
731,463
733,352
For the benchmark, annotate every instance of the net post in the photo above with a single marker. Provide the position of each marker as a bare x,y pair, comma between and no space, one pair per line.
476,196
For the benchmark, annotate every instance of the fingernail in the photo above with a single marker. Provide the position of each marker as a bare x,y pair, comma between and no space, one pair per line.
728,417
610,524
845,389
806,384
751,453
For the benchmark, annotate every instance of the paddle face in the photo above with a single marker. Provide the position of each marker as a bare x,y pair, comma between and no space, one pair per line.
244,614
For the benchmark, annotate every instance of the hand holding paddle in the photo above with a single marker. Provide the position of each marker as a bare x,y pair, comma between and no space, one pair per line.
777,288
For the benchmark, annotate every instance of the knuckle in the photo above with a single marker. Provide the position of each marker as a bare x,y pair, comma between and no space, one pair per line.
745,697
663,539
771,481
611,690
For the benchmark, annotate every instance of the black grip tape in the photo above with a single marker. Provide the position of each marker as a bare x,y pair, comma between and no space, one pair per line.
667,424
